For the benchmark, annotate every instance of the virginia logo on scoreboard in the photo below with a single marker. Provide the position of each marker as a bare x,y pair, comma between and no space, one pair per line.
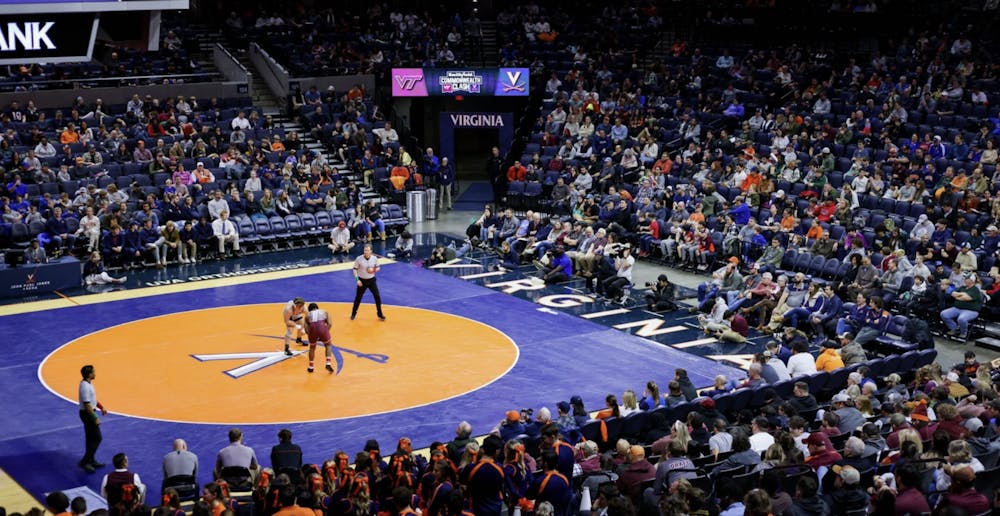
513,81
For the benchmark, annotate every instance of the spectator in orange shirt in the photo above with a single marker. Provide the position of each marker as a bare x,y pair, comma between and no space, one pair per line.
815,230
664,165
829,358
288,497
355,93
516,172
752,179
276,145
612,410
69,135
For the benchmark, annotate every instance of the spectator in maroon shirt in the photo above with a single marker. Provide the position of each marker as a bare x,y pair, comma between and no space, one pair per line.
963,494
819,453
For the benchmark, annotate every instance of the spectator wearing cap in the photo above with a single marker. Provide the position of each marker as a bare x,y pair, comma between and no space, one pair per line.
565,420
850,418
637,471
340,239
966,258
846,494
956,390
820,453
829,358
920,420
962,493
851,351
511,426
968,301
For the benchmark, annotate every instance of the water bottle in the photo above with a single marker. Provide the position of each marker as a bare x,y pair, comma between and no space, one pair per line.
585,499
517,510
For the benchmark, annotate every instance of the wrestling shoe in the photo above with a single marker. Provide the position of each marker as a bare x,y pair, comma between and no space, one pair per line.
381,317
300,342
329,368
288,352
98,465
354,316
309,369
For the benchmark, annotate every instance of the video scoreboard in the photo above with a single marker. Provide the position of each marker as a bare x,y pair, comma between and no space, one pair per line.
60,31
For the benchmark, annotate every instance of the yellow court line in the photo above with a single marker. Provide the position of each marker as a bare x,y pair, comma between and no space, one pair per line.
118,295
14,497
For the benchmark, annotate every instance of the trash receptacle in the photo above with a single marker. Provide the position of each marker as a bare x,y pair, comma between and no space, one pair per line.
415,205
431,196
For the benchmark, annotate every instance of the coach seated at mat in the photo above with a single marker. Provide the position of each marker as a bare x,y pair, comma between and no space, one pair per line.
180,461
236,455
113,485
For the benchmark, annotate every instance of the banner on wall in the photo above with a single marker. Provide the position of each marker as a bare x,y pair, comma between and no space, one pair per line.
449,82
502,123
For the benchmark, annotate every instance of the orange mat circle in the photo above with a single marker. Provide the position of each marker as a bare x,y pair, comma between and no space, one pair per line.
180,366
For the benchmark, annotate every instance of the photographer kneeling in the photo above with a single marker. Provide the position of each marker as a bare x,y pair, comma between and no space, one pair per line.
661,295
614,287
560,267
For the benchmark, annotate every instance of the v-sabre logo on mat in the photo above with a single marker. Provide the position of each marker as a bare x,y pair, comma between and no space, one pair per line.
408,82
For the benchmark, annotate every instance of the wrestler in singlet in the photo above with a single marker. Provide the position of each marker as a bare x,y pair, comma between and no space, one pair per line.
293,315
317,324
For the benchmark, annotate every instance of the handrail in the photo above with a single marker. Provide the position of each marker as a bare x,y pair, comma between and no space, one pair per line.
274,75
5,84
230,55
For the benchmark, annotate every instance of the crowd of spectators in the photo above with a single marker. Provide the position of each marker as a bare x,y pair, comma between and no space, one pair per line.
874,172
370,40
171,64
916,441
159,179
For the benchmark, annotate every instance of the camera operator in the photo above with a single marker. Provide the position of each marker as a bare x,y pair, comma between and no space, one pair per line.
661,295
614,287
560,268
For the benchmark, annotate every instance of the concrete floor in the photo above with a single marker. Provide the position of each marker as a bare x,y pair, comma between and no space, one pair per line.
949,352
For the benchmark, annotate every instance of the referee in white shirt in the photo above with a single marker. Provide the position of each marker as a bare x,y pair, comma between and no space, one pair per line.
89,407
365,268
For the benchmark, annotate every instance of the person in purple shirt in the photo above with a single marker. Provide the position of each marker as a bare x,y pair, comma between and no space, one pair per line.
740,212
560,267
16,188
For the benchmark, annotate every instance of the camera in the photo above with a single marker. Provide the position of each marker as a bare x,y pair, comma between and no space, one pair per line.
526,413
650,283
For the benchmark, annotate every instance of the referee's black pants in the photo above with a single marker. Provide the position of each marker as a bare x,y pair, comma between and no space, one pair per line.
367,284
93,434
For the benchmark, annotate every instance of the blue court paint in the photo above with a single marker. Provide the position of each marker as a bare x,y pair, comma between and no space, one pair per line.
561,355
